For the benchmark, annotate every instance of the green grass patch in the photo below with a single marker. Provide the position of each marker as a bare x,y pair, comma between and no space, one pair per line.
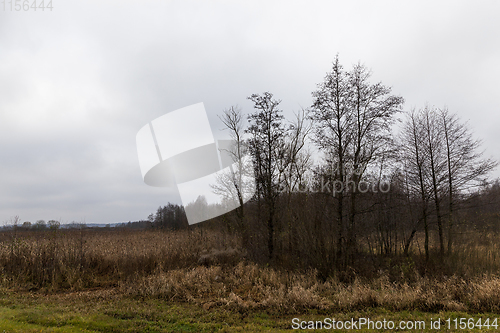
107,311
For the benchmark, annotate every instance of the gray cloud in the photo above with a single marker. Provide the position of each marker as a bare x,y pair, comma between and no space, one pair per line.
77,83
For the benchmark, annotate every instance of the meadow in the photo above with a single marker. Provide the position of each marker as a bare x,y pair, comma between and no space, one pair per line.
116,279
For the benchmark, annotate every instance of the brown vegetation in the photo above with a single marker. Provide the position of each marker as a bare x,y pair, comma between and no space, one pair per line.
211,269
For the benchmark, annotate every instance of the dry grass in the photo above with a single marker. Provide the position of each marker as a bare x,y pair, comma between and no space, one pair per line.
210,269
250,287
78,259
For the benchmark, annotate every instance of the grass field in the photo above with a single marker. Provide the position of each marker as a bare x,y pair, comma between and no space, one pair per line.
155,281
107,310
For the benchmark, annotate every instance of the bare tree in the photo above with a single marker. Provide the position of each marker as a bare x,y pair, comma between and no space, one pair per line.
297,159
232,118
373,111
332,120
413,157
465,165
267,147
352,125
434,145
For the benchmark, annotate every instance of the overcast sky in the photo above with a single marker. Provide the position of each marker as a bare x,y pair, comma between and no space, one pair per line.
78,82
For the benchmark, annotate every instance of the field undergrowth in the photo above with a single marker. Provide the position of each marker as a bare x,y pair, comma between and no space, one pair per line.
108,310
185,281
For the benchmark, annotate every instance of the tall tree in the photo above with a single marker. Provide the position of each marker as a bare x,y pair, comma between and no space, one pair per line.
238,184
267,146
352,125
413,157
332,121
465,164
374,109
232,118
433,143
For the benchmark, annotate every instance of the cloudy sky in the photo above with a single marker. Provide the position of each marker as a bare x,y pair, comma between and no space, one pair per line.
78,82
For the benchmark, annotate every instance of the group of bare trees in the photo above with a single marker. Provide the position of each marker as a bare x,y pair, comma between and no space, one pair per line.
277,151
441,163
429,168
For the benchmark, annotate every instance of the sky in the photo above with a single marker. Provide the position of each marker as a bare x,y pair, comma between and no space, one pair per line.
77,83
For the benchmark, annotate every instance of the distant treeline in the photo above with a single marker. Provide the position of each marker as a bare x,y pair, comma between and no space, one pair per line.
41,225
